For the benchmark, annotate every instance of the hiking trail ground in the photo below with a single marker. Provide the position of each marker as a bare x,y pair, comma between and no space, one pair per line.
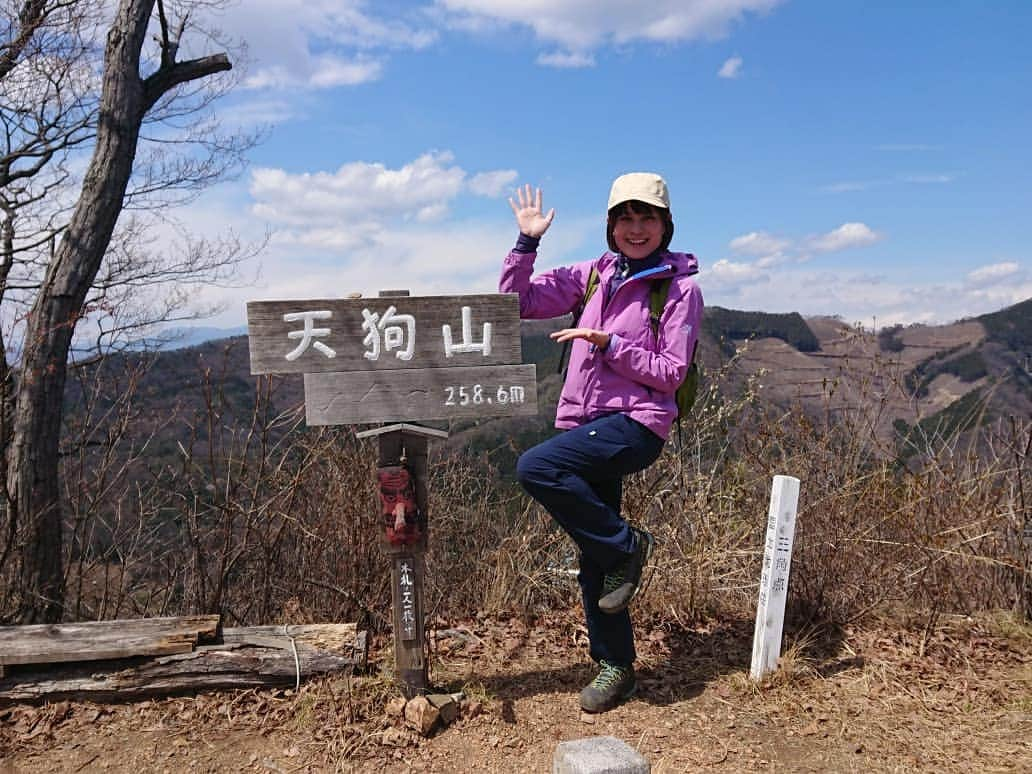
886,697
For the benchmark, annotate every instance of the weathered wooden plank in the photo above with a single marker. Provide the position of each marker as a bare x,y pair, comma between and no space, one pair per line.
425,394
103,640
340,638
209,667
360,335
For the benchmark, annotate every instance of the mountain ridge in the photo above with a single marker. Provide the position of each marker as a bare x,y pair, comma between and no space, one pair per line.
916,372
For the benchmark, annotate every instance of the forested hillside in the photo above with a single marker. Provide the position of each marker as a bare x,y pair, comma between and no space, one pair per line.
951,377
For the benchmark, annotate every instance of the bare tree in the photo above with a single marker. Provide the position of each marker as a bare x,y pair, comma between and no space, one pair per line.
62,261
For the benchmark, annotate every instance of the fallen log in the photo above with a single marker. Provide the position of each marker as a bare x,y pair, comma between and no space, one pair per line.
104,640
335,638
209,667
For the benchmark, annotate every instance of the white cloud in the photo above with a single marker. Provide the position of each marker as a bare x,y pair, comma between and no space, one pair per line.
427,259
325,72
849,186
772,254
354,204
259,111
579,26
989,299
333,71
732,68
356,188
492,183
725,273
566,60
769,261
845,237
275,77
387,245
354,237
857,297
927,179
758,243
994,273
432,212
320,44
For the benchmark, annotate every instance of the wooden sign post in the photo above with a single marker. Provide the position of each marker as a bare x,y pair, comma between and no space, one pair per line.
408,443
777,562
399,359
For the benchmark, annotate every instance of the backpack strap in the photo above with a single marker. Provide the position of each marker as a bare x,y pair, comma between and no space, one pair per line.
658,292
589,291
684,395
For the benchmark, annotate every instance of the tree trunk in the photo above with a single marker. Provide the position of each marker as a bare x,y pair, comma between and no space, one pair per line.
32,473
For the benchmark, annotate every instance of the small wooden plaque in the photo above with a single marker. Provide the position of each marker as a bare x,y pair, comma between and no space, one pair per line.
425,394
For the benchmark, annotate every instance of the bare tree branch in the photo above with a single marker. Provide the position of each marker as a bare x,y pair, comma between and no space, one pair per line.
56,108
31,18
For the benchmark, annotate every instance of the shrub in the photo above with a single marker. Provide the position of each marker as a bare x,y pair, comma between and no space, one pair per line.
265,521
889,339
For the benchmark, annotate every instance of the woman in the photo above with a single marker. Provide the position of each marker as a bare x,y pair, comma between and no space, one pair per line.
617,404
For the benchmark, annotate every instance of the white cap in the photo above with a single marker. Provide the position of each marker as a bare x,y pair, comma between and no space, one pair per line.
645,187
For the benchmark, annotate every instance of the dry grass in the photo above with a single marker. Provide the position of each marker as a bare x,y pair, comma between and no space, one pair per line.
265,522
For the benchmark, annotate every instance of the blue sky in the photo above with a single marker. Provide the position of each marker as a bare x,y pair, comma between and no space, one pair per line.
865,159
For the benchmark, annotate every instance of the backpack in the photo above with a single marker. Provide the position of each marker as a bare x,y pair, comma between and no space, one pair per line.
686,391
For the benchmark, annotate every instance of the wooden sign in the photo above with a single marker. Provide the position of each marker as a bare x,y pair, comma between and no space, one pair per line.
426,393
375,334
397,358
392,359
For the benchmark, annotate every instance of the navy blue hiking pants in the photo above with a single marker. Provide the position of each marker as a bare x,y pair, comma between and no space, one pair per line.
578,477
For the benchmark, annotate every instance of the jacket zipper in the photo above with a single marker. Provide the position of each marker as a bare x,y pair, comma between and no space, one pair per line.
605,303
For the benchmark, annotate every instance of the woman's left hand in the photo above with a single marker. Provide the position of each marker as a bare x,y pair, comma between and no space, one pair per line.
599,338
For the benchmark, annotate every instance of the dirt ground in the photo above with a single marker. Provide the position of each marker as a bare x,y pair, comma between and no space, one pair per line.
882,698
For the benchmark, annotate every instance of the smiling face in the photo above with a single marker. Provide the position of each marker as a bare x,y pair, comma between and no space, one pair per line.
638,231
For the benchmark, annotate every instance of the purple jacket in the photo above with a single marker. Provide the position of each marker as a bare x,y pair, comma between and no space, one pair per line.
636,374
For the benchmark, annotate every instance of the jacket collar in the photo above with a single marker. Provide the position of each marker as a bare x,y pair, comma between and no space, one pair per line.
679,263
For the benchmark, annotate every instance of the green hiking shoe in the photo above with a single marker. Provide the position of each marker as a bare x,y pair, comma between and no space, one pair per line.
613,685
621,585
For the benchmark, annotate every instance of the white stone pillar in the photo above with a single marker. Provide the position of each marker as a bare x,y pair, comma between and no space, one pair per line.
777,561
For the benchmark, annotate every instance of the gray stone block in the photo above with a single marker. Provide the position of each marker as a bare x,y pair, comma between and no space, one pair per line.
598,755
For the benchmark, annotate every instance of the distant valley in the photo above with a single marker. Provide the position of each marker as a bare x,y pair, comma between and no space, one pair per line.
922,378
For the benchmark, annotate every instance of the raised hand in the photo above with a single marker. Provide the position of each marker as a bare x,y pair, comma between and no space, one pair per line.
528,212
